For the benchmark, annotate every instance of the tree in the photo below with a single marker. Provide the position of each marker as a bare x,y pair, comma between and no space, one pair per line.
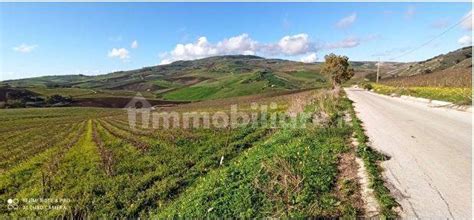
338,68
58,99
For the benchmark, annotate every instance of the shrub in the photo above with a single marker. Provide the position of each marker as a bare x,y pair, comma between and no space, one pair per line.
367,86
54,99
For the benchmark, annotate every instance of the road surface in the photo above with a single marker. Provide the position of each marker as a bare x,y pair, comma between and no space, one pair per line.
429,172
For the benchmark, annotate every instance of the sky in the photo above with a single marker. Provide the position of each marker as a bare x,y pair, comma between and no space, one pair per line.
39,39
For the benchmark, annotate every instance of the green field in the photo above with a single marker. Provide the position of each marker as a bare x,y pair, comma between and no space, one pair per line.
100,167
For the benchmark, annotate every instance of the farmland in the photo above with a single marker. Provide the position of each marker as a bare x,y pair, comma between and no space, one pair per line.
446,77
210,78
453,78
96,165
90,161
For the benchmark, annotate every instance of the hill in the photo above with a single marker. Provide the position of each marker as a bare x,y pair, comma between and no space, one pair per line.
232,76
208,78
453,69
458,59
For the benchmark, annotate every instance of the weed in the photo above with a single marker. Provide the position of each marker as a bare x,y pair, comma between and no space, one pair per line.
371,160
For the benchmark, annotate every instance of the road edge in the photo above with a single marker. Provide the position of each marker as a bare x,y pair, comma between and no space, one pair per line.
371,158
430,102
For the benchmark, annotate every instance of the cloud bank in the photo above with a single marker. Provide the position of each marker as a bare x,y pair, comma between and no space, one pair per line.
287,46
241,44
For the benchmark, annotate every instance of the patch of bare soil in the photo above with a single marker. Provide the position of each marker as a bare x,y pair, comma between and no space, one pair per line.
118,102
347,186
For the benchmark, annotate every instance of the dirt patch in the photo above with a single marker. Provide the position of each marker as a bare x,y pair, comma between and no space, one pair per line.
118,102
298,102
188,80
348,189
274,96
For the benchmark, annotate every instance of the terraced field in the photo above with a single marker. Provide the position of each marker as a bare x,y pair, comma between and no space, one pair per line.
88,162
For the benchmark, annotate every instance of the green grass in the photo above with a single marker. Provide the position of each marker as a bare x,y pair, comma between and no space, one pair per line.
92,157
229,86
191,93
291,174
166,84
83,161
371,160
461,96
246,189
309,75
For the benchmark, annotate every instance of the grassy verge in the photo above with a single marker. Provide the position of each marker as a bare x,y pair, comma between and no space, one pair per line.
371,160
461,96
292,174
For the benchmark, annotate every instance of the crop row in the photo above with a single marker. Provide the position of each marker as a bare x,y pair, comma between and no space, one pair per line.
28,178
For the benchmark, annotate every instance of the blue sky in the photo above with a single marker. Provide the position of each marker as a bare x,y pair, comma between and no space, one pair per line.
95,38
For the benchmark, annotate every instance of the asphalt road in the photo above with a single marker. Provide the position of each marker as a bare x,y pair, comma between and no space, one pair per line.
429,172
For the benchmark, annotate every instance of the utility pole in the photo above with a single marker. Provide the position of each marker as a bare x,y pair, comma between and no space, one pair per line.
378,71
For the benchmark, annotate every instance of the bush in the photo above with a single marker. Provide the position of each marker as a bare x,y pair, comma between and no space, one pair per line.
367,86
55,99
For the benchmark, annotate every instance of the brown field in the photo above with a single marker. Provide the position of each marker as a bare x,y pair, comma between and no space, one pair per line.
459,78
118,102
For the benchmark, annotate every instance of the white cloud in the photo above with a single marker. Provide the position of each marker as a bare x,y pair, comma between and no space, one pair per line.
467,22
200,49
121,53
134,44
288,46
410,12
346,43
25,48
296,44
347,21
310,58
465,40
241,44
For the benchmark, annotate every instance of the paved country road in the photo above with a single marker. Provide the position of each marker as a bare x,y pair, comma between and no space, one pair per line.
429,172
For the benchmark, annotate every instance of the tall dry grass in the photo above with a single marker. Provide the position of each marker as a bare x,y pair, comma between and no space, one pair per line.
458,78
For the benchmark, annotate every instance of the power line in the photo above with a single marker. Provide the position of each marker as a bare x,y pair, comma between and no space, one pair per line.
434,38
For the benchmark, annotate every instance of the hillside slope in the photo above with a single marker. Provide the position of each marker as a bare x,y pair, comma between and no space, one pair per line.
208,78
453,69
239,75
458,59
